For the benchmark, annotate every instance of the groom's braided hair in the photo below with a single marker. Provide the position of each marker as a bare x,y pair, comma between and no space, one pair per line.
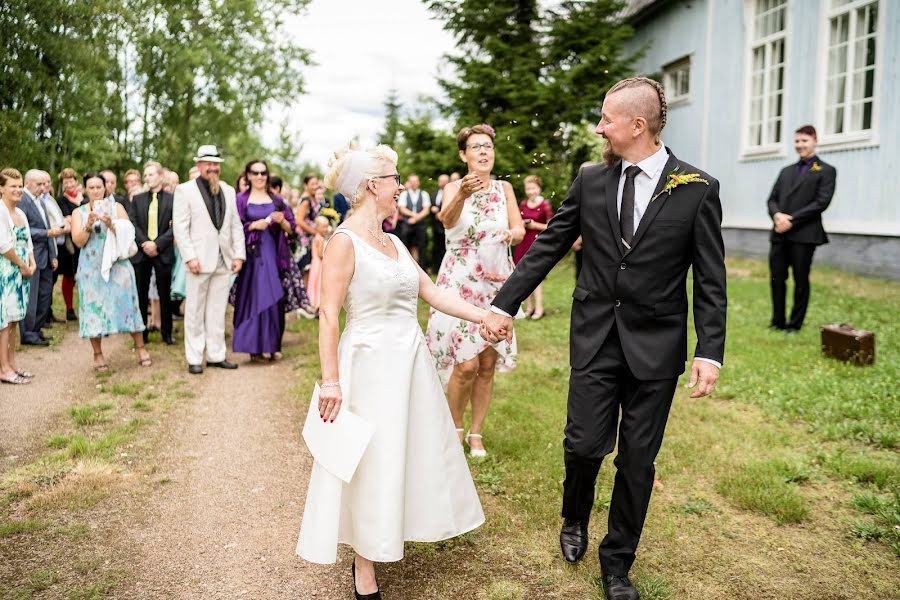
655,125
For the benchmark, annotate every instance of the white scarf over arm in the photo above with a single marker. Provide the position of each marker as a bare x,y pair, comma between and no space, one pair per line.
117,246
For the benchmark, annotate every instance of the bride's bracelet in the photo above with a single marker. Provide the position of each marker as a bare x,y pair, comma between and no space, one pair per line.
332,384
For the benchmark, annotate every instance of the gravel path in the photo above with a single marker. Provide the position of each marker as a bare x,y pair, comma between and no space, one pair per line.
63,375
226,524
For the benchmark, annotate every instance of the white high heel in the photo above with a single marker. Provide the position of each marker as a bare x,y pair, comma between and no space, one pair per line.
458,431
475,452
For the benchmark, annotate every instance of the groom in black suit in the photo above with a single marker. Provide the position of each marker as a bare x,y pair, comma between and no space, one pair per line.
151,214
801,194
645,218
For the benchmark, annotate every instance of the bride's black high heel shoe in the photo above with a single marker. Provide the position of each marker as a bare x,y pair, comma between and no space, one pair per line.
357,595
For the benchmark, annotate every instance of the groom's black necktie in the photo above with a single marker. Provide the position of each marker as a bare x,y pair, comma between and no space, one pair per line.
626,213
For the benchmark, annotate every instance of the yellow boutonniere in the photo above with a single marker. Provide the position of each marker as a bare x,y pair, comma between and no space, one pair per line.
674,179
815,168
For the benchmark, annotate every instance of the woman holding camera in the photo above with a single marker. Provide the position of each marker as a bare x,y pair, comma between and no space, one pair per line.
106,306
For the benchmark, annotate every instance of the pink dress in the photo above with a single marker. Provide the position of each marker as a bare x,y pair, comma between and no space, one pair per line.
314,283
541,214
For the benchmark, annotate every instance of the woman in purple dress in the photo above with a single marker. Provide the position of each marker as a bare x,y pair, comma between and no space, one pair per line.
269,284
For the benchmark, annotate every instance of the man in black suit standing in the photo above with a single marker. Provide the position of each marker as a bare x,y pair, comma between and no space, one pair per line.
645,218
151,214
438,237
43,237
801,194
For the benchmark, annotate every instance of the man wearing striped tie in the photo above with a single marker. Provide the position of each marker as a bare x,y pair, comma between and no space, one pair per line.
151,214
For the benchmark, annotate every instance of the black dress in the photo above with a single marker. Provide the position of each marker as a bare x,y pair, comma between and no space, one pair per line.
68,252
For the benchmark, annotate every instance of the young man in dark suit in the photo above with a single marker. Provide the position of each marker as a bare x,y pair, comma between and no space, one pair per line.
151,214
645,218
801,194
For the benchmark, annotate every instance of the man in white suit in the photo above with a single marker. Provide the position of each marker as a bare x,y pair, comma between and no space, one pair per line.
210,237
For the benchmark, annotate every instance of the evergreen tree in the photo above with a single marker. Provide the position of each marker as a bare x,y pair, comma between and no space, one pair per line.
534,75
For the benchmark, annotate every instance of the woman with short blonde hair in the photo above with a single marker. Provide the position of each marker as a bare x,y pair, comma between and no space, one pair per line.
412,483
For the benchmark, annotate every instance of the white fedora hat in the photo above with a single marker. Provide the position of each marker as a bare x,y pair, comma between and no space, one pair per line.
208,153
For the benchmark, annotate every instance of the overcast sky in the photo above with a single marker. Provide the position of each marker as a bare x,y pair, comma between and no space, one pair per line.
362,49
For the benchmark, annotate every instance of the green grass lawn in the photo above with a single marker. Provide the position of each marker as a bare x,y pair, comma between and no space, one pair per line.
783,484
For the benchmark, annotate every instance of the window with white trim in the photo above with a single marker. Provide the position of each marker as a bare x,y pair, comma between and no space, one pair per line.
677,80
768,35
850,76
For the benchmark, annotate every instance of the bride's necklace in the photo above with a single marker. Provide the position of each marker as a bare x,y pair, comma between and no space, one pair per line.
380,236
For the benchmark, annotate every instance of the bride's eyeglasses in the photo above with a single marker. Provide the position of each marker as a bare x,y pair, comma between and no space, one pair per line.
395,176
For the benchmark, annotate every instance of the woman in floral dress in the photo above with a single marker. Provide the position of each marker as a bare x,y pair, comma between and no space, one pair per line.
16,267
105,306
481,219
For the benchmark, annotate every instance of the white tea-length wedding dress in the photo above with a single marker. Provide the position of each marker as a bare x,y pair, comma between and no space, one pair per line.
413,482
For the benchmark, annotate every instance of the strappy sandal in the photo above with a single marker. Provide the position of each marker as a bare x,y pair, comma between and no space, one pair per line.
459,430
16,380
24,374
144,362
101,368
475,452
258,359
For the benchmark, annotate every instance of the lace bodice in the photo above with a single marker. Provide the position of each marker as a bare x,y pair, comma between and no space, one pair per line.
381,289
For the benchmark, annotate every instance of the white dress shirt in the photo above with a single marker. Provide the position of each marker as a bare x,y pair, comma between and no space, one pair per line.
407,202
644,185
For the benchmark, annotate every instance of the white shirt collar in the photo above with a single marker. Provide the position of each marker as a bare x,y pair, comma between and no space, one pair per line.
652,165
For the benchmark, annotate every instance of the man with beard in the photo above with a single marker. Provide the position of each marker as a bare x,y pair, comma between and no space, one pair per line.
210,237
645,218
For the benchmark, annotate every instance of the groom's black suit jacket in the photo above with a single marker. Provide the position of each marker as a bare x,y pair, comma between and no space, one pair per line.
643,291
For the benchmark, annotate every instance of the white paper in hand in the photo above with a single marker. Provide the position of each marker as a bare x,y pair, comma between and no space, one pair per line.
337,446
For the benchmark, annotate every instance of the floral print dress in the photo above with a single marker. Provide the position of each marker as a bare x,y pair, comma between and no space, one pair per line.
14,289
105,307
466,270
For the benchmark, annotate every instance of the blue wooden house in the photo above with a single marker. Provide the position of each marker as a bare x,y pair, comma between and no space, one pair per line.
741,75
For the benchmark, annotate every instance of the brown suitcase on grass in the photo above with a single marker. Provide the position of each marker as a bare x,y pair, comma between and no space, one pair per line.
845,342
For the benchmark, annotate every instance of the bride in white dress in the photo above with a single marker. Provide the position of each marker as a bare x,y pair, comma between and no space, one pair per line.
413,482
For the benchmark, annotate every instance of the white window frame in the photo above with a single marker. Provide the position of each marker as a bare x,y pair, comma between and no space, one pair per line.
667,73
772,149
855,139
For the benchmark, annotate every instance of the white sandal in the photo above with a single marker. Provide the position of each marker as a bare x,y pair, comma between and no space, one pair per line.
475,452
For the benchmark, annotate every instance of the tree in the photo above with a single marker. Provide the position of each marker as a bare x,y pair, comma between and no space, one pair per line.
534,75
113,83
55,79
392,108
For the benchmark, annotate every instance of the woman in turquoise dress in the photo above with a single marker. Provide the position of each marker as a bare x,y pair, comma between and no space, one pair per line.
16,267
105,307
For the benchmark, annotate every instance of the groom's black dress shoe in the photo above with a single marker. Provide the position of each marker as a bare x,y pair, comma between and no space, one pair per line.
573,540
619,588
222,365
195,369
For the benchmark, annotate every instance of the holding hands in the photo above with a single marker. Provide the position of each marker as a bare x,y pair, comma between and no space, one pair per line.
496,328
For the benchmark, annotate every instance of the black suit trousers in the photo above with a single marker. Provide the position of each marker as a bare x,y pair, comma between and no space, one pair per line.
39,299
143,271
784,254
597,394
438,246
416,236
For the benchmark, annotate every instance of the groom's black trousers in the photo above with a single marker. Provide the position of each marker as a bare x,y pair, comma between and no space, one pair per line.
597,393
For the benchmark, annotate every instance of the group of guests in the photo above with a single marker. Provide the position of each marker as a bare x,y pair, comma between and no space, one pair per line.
134,257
